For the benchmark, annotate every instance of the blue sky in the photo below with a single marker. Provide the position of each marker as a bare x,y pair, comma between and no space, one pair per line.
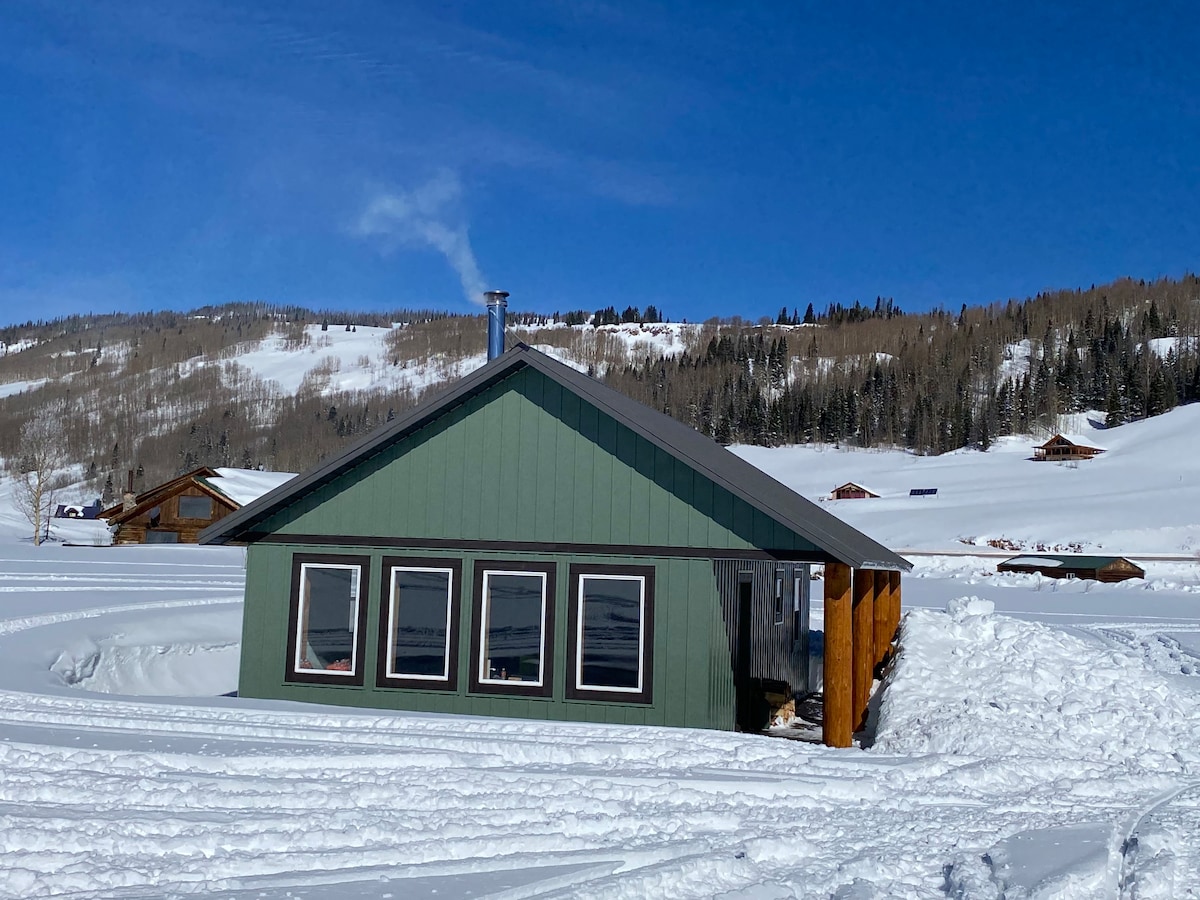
711,159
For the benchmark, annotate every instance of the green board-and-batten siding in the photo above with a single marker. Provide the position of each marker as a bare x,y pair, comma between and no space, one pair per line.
527,460
692,674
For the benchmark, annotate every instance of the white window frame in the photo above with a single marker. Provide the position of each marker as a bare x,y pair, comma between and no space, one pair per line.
391,623
354,611
641,680
484,613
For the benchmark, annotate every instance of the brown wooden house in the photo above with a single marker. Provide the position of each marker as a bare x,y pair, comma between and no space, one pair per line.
1055,565
176,511
851,491
1062,447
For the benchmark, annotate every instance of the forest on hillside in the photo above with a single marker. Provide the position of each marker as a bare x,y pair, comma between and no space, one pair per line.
160,393
872,377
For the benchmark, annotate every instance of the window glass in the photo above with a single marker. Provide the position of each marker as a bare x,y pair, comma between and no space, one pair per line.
162,537
420,623
512,635
779,601
611,611
195,507
328,619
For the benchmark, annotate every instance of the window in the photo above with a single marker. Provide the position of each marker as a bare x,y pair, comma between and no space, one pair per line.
513,627
162,537
195,507
610,633
326,627
418,640
779,599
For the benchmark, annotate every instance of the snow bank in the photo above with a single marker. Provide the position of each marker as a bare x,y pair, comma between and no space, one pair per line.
970,682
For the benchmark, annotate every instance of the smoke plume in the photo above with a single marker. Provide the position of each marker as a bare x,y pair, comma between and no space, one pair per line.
430,215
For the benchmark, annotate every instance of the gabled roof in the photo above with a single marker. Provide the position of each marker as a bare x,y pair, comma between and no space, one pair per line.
1072,439
151,498
855,484
842,542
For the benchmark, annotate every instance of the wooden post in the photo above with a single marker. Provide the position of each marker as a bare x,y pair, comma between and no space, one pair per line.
894,603
838,719
883,614
864,643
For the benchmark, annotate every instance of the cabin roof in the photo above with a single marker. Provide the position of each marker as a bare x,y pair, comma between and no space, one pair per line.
1065,560
1074,439
842,542
856,484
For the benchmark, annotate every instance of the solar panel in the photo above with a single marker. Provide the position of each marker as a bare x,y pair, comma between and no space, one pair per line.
922,492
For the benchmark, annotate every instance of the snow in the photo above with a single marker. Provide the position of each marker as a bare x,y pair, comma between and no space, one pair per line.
12,388
246,485
1034,738
1034,561
1130,501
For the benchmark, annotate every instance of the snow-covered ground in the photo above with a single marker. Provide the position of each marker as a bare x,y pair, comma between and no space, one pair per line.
1035,738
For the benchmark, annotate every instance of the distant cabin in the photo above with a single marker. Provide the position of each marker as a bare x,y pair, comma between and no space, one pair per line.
852,491
176,511
1054,565
1063,447
75,511
533,544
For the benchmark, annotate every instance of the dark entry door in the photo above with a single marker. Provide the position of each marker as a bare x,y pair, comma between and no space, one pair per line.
746,713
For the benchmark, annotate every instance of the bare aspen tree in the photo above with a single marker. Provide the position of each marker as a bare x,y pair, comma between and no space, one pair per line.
41,458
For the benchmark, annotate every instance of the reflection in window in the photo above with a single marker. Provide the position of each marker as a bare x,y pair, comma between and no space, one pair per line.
512,627
195,507
419,624
779,601
610,633
326,630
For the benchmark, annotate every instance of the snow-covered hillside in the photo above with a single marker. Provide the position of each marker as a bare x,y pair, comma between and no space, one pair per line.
1138,497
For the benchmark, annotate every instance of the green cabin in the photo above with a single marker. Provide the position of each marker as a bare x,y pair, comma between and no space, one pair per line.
533,544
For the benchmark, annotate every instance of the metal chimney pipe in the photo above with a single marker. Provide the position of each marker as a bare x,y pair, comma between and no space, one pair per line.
497,303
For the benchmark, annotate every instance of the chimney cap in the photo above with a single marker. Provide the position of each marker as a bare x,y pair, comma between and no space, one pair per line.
496,298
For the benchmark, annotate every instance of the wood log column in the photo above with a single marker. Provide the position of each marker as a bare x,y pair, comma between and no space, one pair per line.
838,719
894,603
883,615
864,643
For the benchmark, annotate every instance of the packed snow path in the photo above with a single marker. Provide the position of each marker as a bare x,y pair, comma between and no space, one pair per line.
1079,784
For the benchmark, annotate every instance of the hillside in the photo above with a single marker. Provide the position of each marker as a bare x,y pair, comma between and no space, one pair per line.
253,385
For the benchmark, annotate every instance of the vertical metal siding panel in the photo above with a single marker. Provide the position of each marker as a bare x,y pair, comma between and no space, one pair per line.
622,487
435,466
602,480
679,486
414,507
584,524
640,491
471,436
660,508
566,483
507,459
671,643
546,472
452,484
718,532
528,419
490,416
701,518
702,601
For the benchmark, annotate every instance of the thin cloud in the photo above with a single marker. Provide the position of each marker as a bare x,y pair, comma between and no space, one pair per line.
428,216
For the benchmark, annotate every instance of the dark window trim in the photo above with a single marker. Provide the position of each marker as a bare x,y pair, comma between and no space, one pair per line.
290,674
513,688
574,692
382,678
557,547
